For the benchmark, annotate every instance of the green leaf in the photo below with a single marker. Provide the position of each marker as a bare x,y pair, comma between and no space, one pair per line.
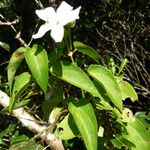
23,146
107,80
9,129
22,142
127,91
75,76
18,138
120,142
5,46
86,122
2,143
67,129
14,63
122,66
52,102
36,58
20,84
85,49
138,135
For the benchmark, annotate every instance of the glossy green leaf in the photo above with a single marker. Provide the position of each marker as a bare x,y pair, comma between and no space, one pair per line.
107,80
20,84
127,91
14,63
85,49
138,135
85,120
36,58
67,128
75,76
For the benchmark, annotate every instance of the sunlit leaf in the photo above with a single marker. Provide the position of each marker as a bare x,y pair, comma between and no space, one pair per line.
138,135
74,75
67,128
36,58
85,49
107,80
127,91
85,120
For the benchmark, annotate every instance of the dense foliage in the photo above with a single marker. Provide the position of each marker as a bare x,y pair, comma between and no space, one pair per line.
92,89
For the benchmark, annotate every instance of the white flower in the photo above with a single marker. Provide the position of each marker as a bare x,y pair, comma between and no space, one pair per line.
56,20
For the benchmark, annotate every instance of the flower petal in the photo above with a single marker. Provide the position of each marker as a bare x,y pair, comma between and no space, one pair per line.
46,14
68,15
64,8
42,30
57,33
74,15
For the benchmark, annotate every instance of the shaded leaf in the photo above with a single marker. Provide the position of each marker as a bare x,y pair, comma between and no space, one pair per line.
52,102
14,63
9,129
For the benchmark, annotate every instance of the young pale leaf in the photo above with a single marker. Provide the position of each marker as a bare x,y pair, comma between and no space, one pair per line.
138,135
127,91
21,83
85,120
67,129
36,58
5,46
75,76
85,49
14,63
122,66
107,80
